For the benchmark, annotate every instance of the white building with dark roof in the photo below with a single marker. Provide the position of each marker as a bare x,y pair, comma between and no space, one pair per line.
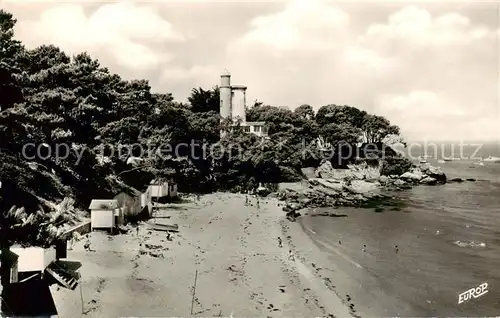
105,214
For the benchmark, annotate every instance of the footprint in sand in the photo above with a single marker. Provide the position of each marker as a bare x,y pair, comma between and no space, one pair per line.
93,305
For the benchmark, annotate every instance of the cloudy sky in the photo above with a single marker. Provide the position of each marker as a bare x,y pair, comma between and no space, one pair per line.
432,69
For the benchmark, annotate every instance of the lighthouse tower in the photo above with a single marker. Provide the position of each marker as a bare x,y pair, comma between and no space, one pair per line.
232,99
233,106
225,95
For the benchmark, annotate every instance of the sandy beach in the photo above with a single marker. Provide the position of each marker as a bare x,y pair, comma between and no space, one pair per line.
242,270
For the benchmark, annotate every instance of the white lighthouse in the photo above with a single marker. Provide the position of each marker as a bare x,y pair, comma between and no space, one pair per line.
232,99
233,105
225,95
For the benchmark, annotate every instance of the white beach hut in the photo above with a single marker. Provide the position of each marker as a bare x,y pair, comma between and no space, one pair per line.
105,214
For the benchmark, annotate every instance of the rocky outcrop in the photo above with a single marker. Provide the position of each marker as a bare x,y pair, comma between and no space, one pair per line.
359,185
460,180
353,172
421,174
424,174
367,189
327,193
413,176
429,181
433,172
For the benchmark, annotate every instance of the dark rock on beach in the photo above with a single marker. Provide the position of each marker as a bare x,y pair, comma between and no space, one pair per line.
359,185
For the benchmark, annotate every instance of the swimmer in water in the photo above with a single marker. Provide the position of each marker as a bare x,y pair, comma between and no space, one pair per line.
396,248
340,242
364,248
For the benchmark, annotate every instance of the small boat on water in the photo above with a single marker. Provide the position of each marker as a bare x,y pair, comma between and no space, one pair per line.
492,159
163,227
441,161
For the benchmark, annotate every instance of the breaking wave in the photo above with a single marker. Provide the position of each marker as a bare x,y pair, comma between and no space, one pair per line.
473,244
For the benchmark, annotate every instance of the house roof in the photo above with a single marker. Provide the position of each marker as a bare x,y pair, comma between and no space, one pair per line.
10,257
243,87
155,182
255,123
160,182
29,299
132,193
103,204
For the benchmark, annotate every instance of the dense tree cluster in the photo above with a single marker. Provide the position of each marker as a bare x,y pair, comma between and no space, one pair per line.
48,98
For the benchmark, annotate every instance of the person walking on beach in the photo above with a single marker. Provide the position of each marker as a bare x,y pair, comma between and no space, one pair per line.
71,241
290,255
280,243
86,246
137,230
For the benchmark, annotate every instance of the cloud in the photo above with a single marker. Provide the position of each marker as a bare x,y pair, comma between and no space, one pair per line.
204,75
299,26
413,27
128,34
423,111
419,110
431,69
418,68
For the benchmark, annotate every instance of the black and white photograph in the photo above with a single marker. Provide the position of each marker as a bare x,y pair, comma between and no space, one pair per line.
249,158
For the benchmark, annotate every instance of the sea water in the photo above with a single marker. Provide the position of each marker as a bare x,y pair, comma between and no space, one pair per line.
447,238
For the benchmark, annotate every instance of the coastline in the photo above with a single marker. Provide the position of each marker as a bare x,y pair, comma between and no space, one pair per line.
352,284
234,247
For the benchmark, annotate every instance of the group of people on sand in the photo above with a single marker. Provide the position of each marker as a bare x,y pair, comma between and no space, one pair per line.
76,237
248,201
396,248
291,257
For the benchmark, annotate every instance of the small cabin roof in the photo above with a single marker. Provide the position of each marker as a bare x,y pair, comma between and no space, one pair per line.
103,204
160,182
10,257
255,123
32,298
132,193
